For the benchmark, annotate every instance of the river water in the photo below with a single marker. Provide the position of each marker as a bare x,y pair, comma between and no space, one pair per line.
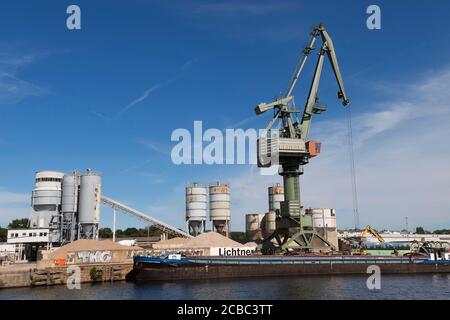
418,286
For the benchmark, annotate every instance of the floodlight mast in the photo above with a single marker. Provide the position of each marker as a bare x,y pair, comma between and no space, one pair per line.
294,150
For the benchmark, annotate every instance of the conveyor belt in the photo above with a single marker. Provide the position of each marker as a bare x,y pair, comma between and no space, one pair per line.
135,213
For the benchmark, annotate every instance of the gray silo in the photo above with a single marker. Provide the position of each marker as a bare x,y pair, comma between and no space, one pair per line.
69,206
89,205
196,197
219,208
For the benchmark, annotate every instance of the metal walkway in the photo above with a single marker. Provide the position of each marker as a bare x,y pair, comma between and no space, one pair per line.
137,214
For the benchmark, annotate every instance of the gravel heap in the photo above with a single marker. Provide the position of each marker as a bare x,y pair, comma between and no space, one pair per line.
203,240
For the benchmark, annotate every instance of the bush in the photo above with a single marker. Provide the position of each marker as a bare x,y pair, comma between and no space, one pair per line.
96,275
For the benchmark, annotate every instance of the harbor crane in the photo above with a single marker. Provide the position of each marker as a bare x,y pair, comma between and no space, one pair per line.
289,147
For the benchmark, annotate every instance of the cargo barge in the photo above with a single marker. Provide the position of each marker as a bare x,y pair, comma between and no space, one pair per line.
193,268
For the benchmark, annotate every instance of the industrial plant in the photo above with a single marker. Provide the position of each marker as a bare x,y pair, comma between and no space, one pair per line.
64,208
286,239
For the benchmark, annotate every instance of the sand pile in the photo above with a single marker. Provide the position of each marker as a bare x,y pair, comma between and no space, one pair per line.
211,239
204,240
88,245
174,243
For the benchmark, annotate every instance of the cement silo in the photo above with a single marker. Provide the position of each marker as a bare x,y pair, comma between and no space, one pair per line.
89,205
196,198
46,202
69,205
219,207
324,222
268,224
253,230
276,196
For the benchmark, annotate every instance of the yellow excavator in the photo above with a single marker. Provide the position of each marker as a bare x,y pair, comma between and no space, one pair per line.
361,250
373,232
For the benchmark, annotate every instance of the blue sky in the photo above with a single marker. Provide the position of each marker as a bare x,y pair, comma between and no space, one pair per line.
108,97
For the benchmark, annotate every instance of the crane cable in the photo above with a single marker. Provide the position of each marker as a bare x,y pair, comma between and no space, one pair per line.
352,167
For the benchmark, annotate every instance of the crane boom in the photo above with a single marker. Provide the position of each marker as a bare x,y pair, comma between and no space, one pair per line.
306,51
312,97
282,103
334,64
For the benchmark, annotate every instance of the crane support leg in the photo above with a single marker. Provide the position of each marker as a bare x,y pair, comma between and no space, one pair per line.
292,224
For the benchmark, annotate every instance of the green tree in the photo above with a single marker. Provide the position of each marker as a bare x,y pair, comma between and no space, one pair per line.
19,224
238,236
151,231
3,234
420,230
105,233
130,232
442,231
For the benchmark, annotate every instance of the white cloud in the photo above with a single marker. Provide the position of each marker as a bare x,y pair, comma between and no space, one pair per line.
9,214
13,206
8,198
154,88
13,89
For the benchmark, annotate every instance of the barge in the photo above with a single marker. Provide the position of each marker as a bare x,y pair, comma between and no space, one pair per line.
175,267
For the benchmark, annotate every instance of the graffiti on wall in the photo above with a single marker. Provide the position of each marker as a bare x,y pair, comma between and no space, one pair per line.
103,256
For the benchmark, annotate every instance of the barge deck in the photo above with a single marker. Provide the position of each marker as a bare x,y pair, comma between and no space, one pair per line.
192,268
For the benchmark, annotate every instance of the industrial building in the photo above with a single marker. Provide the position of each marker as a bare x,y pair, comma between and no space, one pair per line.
64,208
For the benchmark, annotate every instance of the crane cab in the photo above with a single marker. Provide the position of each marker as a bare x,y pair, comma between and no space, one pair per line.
313,148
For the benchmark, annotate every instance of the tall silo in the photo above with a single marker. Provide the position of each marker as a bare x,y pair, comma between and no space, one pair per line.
324,222
196,197
89,205
219,207
69,205
46,202
253,230
268,224
276,196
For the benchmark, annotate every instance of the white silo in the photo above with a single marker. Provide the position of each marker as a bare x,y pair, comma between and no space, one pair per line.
89,205
324,222
219,207
196,197
253,226
46,202
69,205
268,224
276,196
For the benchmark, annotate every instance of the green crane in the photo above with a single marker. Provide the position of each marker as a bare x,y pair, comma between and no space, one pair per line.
291,146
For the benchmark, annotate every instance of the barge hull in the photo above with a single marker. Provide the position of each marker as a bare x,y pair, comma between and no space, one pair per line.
211,271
